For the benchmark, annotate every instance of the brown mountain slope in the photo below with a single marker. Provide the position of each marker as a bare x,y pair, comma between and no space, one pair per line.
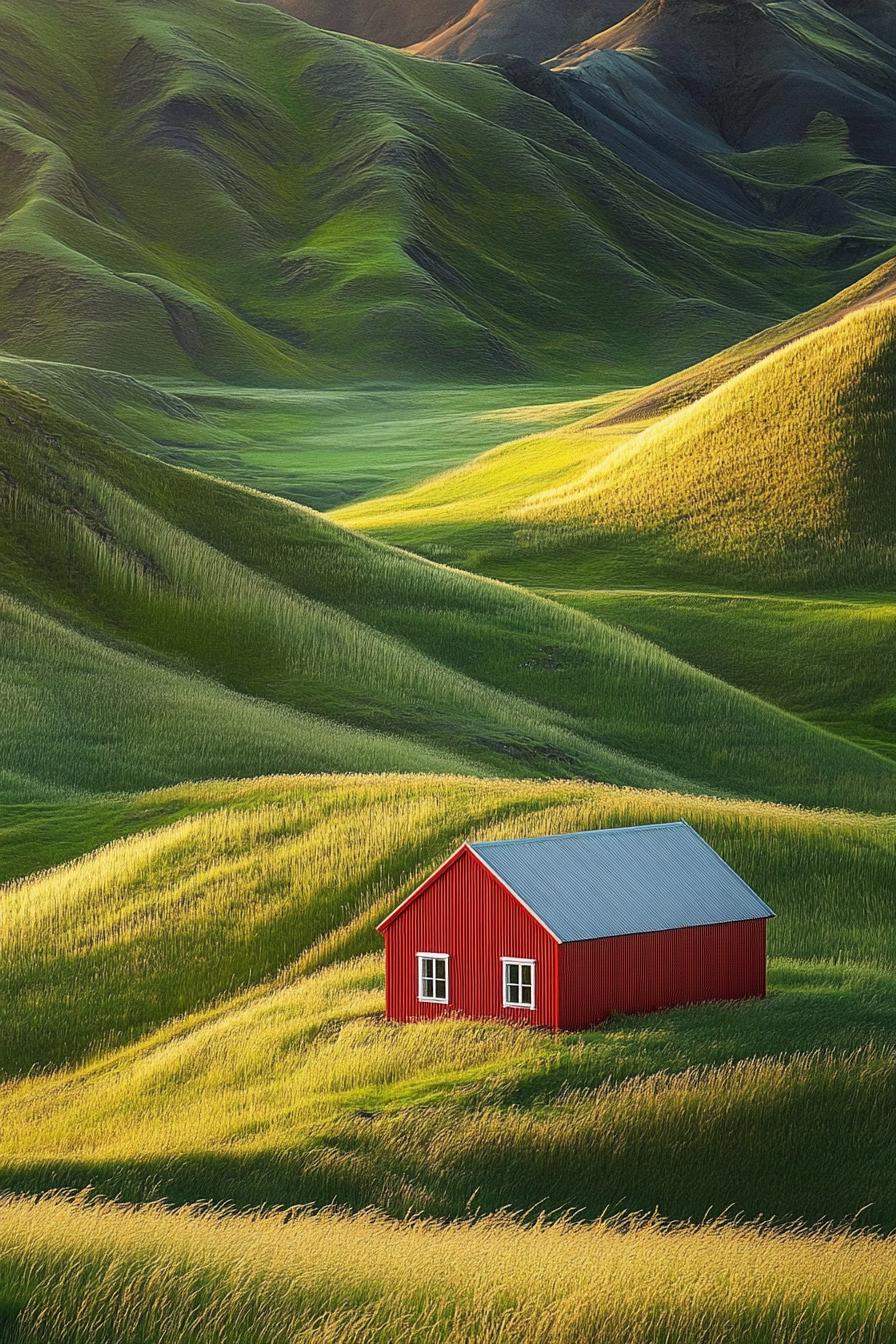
537,29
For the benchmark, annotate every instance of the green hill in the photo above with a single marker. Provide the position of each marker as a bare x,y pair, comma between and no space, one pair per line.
785,472
362,213
779,477
255,916
115,561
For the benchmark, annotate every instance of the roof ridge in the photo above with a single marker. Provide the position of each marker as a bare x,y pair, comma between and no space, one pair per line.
573,835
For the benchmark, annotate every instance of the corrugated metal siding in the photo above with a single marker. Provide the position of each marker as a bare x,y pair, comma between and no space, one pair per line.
636,879
639,973
467,914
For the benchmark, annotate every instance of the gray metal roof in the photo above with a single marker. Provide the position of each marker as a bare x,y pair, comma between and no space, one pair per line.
638,879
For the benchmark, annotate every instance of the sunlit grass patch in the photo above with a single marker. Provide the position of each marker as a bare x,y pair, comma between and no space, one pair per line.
75,1271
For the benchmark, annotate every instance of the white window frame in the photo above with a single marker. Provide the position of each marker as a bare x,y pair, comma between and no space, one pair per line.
516,961
433,956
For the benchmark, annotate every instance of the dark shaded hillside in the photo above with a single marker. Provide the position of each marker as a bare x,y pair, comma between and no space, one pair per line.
761,74
782,113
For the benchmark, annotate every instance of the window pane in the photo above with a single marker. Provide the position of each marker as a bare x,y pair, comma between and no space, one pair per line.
434,978
519,984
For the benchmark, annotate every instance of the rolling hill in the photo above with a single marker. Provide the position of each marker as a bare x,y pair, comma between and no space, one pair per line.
361,214
122,572
658,243
692,94
779,477
786,470
260,934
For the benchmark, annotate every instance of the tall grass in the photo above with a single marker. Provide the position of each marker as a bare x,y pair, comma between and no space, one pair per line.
110,946
300,1093
76,1271
781,473
770,473
77,714
275,603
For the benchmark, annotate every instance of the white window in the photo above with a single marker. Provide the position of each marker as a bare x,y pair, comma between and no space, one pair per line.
432,977
519,983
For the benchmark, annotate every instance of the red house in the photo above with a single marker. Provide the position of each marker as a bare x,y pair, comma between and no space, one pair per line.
562,931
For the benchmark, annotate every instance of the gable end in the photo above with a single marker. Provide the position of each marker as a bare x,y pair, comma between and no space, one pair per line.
452,859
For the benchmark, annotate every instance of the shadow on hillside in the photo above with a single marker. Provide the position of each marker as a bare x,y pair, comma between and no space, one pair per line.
810,1006
811,1143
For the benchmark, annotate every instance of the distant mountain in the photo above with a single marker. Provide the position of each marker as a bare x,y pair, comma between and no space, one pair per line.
256,201
759,75
536,29
459,30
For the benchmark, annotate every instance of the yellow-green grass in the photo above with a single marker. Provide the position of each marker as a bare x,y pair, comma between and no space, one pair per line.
75,1271
785,470
780,477
327,447
76,714
210,993
300,1093
115,556
491,487
320,446
826,659
297,872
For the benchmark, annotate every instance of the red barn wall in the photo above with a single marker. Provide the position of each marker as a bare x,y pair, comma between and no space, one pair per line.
638,973
468,914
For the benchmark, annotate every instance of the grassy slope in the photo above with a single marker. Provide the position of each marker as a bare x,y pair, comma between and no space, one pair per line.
811,470
273,602
74,1272
289,876
361,212
784,474
779,477
765,645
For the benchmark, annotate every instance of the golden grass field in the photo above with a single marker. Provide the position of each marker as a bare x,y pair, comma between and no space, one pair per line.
84,1271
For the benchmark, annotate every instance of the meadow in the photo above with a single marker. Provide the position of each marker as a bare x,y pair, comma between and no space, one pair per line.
161,977
206,594
79,1271
584,563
